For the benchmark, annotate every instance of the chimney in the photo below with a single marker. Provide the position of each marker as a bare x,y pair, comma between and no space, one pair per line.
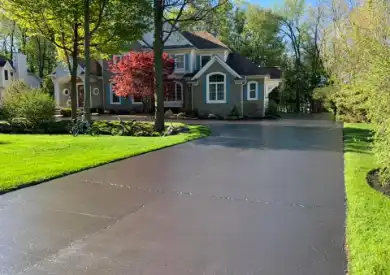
20,64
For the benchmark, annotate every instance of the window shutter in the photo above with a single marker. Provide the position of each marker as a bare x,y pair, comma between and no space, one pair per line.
204,89
227,88
187,62
197,62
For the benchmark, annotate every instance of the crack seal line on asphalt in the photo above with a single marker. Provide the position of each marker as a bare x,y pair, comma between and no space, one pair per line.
215,197
76,244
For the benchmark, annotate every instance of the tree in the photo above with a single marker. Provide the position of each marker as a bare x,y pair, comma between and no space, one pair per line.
113,24
41,55
132,75
167,14
261,39
294,28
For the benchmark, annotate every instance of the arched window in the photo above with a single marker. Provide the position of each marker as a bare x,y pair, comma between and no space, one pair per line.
216,88
175,92
252,90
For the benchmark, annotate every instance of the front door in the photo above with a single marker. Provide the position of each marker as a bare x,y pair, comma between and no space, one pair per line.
80,95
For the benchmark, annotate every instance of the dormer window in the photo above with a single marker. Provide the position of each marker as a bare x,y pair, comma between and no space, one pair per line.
179,62
204,59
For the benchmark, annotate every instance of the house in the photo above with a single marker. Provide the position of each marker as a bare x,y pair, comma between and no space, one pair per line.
208,77
16,70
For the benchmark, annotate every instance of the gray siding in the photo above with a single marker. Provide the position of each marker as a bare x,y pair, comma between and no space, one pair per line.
233,94
254,108
96,100
125,104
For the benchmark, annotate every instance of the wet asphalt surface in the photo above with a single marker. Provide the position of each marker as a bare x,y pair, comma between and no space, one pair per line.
254,198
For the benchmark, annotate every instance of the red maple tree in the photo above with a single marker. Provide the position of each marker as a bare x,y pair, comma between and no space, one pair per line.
133,75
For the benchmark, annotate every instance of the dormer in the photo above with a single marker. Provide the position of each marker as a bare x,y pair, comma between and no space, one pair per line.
6,72
205,47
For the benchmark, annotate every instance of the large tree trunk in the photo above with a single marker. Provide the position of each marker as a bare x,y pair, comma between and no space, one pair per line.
158,66
87,75
73,77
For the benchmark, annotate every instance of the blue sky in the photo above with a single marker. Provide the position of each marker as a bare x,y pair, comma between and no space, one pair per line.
271,3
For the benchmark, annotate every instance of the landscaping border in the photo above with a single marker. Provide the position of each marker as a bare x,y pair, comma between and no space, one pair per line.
204,131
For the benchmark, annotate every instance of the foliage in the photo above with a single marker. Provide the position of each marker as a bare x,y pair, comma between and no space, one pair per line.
48,86
132,74
358,58
32,105
113,24
234,112
272,108
52,156
66,112
368,215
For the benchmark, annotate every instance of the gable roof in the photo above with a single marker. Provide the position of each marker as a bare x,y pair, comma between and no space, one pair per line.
211,62
244,66
204,40
4,60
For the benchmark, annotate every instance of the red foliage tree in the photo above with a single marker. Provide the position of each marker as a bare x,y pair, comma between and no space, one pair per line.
133,75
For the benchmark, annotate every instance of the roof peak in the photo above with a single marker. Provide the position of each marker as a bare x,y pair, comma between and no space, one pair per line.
204,40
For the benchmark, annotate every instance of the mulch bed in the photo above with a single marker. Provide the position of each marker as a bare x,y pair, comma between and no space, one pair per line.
374,182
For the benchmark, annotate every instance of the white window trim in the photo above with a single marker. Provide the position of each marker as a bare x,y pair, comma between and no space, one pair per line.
182,92
184,62
202,65
135,102
208,101
111,97
209,64
248,92
116,58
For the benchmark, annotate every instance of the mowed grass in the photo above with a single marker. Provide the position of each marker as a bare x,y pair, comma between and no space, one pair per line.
27,159
368,216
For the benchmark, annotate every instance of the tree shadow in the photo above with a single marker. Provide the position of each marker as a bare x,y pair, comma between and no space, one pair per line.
357,140
276,136
4,142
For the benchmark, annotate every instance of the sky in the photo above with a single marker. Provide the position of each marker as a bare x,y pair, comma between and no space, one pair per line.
272,3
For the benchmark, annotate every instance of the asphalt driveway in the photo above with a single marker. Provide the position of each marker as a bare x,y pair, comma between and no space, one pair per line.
255,198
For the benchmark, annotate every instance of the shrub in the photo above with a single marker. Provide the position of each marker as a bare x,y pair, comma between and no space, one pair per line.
66,112
31,105
272,108
234,112
212,116
195,113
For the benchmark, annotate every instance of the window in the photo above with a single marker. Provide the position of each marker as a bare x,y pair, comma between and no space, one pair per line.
216,88
116,58
175,92
5,75
179,62
95,91
137,99
65,92
252,90
114,98
204,59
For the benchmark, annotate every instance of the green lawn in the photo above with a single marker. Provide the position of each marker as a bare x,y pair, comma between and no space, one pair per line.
26,159
368,218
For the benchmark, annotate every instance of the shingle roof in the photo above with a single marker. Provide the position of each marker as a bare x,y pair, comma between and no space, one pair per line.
203,40
244,66
3,60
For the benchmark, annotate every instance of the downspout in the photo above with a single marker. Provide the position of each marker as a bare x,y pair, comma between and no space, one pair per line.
103,93
242,96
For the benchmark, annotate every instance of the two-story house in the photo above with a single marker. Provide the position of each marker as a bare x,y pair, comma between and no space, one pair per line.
208,77
16,70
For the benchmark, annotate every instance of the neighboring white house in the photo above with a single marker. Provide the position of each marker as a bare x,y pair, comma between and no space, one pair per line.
16,70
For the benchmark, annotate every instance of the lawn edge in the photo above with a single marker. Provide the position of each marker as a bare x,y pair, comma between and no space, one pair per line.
204,131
